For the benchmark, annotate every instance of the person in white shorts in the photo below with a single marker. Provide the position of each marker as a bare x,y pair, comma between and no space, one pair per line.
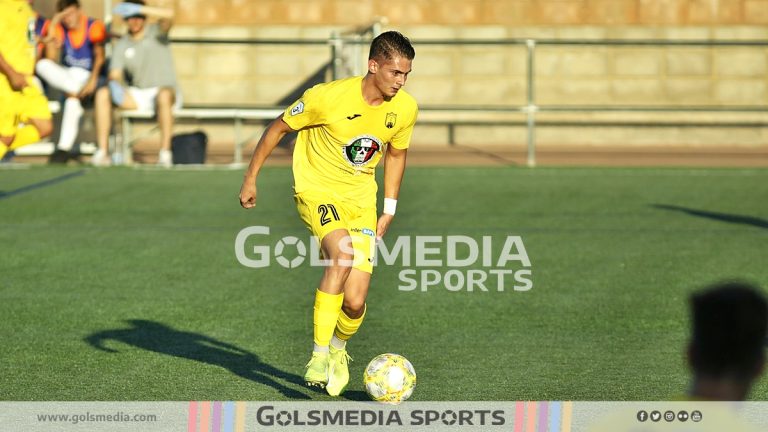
144,55
77,41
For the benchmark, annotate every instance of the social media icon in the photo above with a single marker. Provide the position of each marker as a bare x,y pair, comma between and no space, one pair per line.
642,416
696,416
682,416
669,416
655,416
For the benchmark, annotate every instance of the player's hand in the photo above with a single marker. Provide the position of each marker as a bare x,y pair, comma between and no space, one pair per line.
127,9
58,17
18,81
383,225
88,89
248,194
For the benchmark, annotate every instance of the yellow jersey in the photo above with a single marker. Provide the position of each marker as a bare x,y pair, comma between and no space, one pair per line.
17,38
341,138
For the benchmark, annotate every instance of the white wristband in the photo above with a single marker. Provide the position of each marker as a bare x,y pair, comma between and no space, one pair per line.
390,204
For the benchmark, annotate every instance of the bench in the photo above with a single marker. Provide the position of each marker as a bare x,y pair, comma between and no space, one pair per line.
529,117
237,115
450,116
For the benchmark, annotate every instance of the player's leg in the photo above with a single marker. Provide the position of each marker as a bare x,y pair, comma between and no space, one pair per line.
329,296
102,107
70,80
325,221
166,97
34,118
349,321
70,123
353,307
31,132
7,116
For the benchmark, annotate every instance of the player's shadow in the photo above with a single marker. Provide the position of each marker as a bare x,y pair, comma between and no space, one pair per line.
722,217
159,338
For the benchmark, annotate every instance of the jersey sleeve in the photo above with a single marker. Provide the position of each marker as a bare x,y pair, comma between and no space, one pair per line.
309,110
97,33
402,139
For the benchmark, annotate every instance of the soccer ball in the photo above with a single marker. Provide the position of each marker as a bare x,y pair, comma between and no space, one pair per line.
389,378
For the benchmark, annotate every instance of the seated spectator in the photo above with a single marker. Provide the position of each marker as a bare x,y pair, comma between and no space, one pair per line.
78,41
144,55
727,347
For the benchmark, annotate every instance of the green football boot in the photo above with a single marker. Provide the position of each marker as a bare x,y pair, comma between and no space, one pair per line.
338,371
317,370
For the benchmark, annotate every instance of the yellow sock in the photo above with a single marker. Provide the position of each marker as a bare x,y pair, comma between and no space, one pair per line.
327,309
346,327
25,135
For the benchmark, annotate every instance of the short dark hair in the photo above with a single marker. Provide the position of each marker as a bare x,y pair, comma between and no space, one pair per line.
63,4
730,321
390,44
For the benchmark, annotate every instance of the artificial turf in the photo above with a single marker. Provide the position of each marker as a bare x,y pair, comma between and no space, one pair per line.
123,284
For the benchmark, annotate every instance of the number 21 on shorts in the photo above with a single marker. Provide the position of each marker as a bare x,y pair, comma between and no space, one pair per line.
326,212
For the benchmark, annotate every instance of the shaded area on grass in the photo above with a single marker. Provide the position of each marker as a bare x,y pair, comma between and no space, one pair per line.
160,338
722,217
41,184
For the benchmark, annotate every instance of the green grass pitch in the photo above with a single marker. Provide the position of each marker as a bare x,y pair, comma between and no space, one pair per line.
123,284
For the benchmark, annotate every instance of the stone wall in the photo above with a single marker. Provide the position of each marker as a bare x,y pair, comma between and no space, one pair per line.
472,12
493,75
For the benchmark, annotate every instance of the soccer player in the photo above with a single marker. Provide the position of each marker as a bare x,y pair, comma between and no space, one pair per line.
345,127
24,113
79,41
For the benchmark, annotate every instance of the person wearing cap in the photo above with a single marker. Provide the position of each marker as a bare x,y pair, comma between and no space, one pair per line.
144,55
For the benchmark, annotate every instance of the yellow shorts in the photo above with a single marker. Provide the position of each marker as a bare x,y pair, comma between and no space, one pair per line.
20,107
323,213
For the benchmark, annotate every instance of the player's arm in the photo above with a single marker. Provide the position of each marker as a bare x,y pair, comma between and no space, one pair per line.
49,38
97,33
17,80
93,80
269,140
165,15
52,35
394,168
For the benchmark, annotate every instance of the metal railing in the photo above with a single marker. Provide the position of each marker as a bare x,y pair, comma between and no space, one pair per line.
531,108
346,52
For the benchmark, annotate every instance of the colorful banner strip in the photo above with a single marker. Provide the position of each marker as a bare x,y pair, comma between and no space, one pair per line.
543,416
216,417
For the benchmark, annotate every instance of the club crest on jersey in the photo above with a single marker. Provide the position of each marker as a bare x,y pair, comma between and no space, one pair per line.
361,149
298,109
390,121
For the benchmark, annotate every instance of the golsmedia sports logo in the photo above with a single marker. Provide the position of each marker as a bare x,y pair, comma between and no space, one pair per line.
269,415
454,262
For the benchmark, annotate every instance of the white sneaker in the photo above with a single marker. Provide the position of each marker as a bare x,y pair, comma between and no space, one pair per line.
165,158
100,159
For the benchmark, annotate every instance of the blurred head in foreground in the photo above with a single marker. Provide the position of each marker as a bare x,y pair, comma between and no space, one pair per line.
727,348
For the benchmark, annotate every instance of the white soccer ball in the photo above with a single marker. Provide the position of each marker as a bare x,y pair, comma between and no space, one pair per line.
389,378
